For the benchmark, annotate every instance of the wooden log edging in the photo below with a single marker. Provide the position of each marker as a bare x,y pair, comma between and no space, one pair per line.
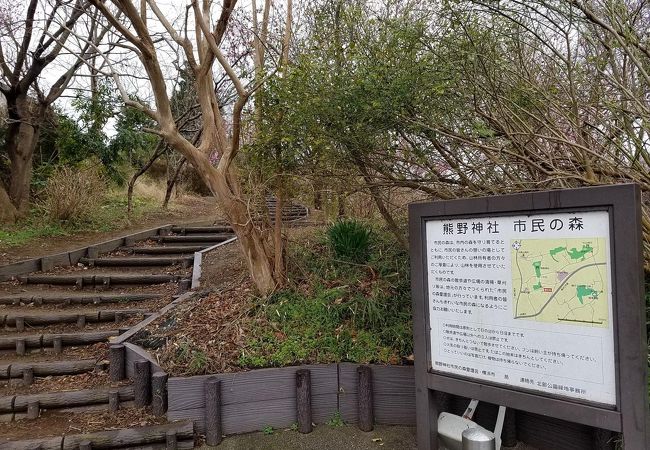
98,281
123,337
213,428
47,368
133,261
46,263
364,395
135,353
47,340
117,362
253,400
202,230
142,383
159,393
303,400
269,397
19,320
155,436
81,299
196,238
59,400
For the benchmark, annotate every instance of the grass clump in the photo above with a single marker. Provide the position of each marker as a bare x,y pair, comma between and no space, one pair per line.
336,311
336,420
350,240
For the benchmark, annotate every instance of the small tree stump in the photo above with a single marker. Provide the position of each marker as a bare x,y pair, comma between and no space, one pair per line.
57,345
117,362
20,347
33,409
81,321
364,395
142,383
20,324
85,445
113,400
213,411
159,393
303,401
171,440
28,376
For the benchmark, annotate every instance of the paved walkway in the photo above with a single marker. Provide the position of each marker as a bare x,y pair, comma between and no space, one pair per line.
325,437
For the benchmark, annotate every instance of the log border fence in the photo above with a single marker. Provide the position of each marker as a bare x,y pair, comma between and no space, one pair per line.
47,263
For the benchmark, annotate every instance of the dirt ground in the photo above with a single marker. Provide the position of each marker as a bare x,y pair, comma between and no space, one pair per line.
221,266
59,423
325,438
186,210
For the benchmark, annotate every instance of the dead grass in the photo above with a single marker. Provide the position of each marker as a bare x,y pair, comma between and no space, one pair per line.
73,194
59,423
206,335
149,188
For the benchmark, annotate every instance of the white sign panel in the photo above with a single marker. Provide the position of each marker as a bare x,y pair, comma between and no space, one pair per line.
524,301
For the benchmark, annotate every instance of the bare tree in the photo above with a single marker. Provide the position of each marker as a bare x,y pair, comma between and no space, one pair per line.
221,129
28,46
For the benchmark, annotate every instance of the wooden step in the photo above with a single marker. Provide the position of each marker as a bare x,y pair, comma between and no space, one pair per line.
184,261
66,399
47,340
206,229
38,300
151,437
170,250
67,317
212,238
104,281
48,368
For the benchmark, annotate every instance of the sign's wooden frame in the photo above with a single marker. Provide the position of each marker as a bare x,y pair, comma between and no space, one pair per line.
630,416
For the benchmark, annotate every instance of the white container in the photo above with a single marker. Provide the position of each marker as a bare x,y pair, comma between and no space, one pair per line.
450,430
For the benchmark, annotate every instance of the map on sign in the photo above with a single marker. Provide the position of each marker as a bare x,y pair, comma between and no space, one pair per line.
560,281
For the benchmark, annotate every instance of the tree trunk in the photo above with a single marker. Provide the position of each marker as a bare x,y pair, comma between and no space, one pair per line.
171,182
278,242
8,212
225,186
340,199
252,242
160,148
381,205
22,134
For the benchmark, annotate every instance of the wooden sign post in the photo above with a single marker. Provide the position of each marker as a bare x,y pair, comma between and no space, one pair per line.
534,302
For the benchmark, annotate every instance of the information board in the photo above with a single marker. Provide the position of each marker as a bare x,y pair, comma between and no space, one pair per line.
524,301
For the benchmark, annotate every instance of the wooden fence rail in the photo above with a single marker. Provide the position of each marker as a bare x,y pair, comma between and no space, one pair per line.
361,395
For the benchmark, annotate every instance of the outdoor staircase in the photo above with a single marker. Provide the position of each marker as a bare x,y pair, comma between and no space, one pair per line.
57,324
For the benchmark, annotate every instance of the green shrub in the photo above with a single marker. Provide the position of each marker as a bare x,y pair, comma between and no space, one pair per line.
350,240
336,311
